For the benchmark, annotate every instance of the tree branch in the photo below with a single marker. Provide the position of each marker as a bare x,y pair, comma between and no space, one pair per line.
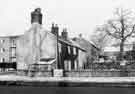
114,26
128,35
112,34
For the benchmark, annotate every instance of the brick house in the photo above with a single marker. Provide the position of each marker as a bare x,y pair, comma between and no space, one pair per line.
92,51
38,45
8,52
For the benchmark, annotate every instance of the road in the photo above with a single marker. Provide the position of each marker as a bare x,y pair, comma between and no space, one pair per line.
65,90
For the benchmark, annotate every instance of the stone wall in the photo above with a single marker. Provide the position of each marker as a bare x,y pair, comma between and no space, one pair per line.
93,73
80,73
131,73
35,73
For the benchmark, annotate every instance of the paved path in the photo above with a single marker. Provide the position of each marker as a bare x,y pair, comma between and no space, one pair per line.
11,77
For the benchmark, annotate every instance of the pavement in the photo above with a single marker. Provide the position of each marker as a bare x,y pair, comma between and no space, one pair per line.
13,77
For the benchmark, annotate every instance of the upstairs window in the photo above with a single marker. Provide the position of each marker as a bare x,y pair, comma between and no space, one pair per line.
3,59
2,50
2,41
13,43
69,51
74,50
13,52
13,60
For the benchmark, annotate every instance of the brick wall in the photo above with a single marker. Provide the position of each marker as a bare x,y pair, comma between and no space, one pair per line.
35,73
4,49
93,73
80,73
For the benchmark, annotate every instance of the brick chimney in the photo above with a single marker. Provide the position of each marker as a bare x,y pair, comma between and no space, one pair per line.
64,34
133,48
55,29
80,35
36,16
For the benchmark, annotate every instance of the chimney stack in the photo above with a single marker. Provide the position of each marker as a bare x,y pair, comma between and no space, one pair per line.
64,34
36,16
80,35
133,48
55,29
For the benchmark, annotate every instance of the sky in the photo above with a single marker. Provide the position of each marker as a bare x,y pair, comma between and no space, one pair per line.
78,16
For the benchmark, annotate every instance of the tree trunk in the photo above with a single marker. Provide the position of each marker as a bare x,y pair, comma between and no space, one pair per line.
121,50
123,68
122,41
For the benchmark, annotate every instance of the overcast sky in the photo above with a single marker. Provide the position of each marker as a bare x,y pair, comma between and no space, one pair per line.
78,16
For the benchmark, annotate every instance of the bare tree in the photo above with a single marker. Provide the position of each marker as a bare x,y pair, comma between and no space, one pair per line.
99,38
121,27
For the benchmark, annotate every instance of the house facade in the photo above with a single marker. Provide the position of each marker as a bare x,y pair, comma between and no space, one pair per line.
38,46
92,52
8,52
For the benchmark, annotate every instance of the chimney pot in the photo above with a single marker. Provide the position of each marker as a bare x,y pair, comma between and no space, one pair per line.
36,16
80,35
64,34
55,29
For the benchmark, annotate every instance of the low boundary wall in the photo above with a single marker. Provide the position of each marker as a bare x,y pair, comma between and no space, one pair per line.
99,73
35,73
80,73
92,73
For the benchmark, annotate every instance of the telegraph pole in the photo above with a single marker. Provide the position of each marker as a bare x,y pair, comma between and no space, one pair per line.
55,31
57,45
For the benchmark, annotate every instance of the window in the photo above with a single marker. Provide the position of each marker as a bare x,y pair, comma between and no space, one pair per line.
13,52
69,51
74,51
13,43
0,59
2,41
13,60
3,59
2,50
59,48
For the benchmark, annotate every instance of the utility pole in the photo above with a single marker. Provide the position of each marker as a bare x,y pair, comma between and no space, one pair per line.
57,45
55,31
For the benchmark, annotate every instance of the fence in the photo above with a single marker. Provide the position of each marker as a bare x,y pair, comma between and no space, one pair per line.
99,73
35,73
131,73
80,73
118,65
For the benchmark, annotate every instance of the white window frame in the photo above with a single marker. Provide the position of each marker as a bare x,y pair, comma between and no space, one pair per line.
1,59
2,40
74,50
2,50
69,49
